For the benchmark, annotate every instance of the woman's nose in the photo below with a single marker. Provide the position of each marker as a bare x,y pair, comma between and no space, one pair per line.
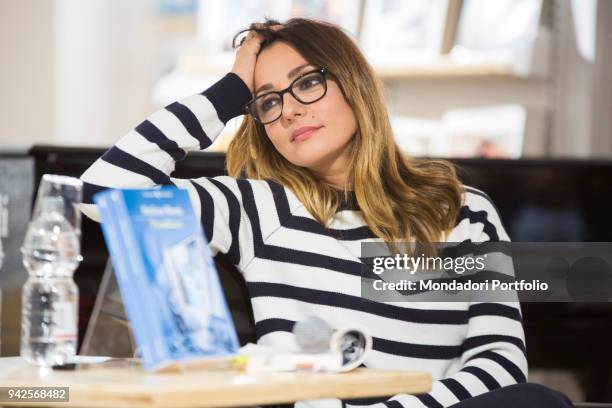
292,107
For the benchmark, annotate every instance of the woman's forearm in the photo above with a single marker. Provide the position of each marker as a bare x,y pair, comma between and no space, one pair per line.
147,155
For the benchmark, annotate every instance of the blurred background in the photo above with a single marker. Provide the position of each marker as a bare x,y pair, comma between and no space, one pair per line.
517,93
471,78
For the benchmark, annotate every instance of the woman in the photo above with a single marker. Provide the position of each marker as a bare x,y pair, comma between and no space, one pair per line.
314,171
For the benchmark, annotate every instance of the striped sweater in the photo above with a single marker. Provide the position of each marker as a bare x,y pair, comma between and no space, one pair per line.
295,267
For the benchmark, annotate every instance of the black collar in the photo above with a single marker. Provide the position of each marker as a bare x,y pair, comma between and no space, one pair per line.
348,203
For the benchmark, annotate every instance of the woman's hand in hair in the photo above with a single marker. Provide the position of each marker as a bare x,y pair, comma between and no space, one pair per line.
246,56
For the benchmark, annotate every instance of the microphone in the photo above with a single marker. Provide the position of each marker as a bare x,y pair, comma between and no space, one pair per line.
315,335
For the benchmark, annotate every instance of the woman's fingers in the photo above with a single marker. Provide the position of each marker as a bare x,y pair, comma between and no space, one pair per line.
246,54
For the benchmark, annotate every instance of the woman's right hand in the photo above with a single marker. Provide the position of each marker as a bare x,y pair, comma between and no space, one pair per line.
246,56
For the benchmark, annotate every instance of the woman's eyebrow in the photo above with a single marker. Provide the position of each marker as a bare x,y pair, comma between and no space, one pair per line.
290,75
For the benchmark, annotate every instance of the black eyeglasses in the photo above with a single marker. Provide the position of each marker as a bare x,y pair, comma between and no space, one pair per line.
307,88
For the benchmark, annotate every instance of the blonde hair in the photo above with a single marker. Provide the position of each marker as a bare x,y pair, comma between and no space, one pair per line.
401,198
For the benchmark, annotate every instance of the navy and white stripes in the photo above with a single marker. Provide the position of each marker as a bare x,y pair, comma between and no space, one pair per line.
295,267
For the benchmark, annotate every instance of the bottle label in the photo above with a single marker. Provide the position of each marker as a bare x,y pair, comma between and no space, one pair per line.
65,321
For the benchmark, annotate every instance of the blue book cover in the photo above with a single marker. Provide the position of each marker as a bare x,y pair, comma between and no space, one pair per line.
167,277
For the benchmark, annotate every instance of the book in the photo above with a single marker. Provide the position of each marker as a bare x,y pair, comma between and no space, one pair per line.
167,278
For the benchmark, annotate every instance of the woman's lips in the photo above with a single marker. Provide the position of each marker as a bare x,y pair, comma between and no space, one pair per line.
301,135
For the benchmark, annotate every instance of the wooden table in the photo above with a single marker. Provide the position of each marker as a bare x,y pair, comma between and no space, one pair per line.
133,387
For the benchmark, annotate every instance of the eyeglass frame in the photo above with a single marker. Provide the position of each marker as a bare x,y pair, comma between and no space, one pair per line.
323,71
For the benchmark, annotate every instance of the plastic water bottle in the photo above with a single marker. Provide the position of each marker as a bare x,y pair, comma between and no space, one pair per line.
50,296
